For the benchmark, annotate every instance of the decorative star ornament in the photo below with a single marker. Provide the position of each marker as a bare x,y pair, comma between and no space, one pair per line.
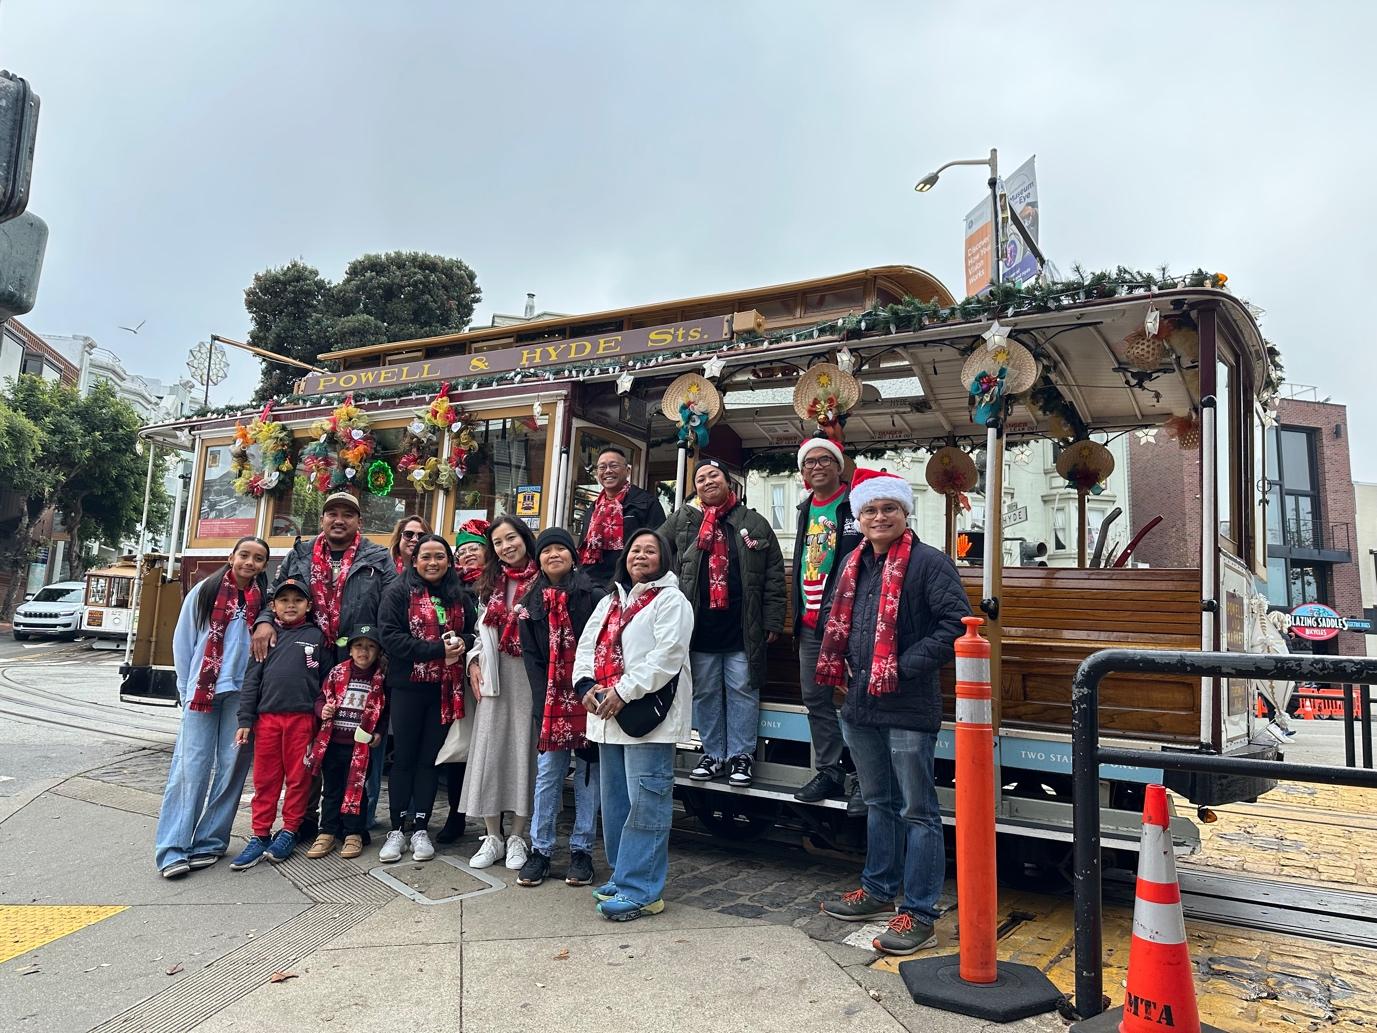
846,362
624,383
1152,321
996,336
712,369
537,410
1147,436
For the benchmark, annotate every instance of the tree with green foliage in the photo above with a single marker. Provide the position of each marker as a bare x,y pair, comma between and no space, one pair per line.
85,462
397,296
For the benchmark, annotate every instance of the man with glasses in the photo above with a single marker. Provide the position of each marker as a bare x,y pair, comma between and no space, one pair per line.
827,532
620,510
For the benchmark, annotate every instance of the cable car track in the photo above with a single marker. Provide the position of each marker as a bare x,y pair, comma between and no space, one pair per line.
33,705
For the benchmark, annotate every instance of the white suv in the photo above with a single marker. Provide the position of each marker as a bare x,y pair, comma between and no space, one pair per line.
55,610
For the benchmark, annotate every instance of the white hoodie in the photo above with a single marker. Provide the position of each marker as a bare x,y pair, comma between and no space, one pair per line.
655,647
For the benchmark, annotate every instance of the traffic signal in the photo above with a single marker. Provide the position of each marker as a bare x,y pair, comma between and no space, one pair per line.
1032,554
970,547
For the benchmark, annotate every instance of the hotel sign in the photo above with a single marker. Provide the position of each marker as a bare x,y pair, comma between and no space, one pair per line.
546,354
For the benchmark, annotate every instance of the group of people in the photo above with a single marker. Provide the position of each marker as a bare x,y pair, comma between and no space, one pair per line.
507,662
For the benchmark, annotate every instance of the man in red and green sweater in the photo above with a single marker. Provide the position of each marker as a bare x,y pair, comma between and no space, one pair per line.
827,531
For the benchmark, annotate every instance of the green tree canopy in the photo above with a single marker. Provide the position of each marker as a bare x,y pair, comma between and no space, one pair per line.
397,296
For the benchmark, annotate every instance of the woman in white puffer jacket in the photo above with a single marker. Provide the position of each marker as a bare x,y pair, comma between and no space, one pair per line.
634,654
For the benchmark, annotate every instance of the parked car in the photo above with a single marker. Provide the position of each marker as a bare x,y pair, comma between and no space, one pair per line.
54,610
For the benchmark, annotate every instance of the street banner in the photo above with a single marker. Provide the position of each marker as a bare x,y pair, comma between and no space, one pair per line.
1019,264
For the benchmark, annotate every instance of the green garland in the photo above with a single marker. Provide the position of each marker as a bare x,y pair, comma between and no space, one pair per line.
908,315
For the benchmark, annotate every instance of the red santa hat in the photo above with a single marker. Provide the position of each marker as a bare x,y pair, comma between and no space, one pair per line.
827,445
871,485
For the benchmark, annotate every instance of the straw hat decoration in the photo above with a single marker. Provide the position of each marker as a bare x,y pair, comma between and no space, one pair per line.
1086,465
952,472
823,394
996,369
693,405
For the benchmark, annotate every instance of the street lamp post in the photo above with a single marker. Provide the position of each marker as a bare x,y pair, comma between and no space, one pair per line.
930,180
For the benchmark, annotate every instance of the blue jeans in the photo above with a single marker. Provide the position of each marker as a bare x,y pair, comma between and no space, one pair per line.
637,807
203,785
549,801
904,848
726,707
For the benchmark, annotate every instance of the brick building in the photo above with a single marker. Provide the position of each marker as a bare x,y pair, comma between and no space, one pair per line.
1311,512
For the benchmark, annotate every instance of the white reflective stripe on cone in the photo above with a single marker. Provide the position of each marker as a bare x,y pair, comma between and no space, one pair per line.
1158,923
973,711
1155,860
973,669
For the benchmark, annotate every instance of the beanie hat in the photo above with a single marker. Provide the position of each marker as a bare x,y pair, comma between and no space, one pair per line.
556,536
813,444
472,531
871,485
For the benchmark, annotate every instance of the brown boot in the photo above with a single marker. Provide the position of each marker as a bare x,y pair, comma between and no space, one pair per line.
323,845
353,846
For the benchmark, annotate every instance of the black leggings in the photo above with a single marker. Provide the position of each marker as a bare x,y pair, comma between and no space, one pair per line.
335,779
417,736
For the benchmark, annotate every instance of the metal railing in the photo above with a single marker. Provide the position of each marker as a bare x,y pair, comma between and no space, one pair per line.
1350,718
1087,755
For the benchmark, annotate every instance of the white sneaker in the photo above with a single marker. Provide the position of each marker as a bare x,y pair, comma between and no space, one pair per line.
516,853
490,850
392,849
421,847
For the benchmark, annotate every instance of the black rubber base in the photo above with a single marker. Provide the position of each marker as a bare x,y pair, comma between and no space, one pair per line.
1019,990
1108,1022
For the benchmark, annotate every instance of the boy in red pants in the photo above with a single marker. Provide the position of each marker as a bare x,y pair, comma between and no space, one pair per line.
277,703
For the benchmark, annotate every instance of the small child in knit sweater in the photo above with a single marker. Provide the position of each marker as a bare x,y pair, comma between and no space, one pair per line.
351,708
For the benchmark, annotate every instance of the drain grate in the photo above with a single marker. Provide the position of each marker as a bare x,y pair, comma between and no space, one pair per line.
357,889
306,871
192,1000
434,884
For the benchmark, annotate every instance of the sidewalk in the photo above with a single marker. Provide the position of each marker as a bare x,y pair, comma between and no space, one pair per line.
91,939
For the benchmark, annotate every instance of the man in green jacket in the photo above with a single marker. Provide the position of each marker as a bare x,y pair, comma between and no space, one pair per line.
731,569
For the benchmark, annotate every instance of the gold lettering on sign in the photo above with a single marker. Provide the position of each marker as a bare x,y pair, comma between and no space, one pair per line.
477,364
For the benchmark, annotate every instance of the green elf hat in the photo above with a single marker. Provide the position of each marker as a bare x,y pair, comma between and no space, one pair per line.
472,531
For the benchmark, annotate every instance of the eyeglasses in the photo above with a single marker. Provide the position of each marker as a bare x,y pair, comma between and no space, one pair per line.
608,467
413,535
809,464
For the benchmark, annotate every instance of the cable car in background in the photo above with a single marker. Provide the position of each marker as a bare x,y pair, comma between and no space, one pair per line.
108,613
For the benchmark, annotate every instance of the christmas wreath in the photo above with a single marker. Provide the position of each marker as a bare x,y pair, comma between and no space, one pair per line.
420,463
343,443
272,472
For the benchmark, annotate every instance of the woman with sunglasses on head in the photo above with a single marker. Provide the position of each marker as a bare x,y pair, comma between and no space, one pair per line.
500,777
427,619
210,650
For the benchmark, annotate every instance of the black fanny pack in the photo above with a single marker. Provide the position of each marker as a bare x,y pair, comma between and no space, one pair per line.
642,716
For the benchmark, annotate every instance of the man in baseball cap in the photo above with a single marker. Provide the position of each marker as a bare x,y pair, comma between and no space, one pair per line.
827,532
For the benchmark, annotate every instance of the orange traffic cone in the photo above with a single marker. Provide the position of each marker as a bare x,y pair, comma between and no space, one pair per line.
1160,993
1307,710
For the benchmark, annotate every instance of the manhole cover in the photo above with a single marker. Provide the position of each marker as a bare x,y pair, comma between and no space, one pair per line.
441,881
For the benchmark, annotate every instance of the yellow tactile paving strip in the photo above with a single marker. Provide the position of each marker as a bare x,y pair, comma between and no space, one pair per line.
26,927
1299,833
1245,979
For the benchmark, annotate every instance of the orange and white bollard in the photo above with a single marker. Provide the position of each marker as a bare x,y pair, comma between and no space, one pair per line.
977,983
977,886
1160,990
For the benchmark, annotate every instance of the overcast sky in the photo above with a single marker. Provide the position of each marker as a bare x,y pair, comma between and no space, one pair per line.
605,153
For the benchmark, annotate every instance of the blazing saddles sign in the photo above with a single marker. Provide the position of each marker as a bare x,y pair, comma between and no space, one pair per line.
526,357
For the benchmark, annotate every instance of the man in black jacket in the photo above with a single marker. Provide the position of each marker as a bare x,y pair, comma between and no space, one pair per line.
352,573
619,511
891,624
827,532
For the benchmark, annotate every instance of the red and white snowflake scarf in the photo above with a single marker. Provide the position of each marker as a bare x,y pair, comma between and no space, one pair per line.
424,622
399,561
506,618
608,664
606,528
326,590
884,661
336,685
230,604
565,720
712,539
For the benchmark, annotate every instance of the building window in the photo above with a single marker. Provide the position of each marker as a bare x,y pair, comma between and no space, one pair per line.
1293,516
1306,584
1060,538
778,507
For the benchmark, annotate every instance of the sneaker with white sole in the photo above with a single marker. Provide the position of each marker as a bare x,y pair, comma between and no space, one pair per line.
490,850
708,768
393,847
421,847
516,853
